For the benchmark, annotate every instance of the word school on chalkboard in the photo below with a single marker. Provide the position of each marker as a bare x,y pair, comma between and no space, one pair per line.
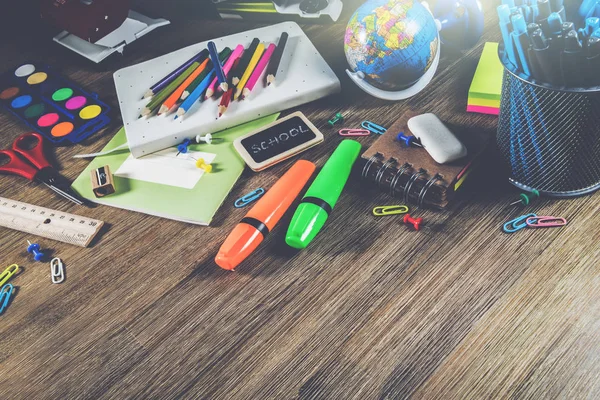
278,141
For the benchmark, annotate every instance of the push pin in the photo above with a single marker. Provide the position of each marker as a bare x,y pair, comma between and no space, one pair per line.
527,198
337,118
415,222
34,249
183,147
208,139
408,140
203,165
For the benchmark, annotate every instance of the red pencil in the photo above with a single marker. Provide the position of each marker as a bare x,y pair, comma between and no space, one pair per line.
225,100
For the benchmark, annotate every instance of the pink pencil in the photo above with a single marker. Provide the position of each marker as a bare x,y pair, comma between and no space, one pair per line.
237,53
262,64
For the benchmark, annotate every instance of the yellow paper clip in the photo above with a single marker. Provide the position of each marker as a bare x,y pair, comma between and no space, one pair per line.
8,273
382,211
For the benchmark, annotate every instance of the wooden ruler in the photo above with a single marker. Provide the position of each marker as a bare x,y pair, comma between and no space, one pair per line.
50,224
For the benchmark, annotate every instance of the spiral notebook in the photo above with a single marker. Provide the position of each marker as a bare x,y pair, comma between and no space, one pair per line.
410,174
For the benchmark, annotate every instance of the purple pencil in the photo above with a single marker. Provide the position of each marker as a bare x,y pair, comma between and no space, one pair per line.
164,82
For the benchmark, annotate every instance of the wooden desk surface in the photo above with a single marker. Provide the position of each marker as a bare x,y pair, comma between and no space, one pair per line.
370,310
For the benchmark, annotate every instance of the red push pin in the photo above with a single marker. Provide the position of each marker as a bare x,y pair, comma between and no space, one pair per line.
415,222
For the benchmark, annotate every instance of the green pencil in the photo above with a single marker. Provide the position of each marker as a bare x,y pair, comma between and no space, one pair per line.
226,52
161,96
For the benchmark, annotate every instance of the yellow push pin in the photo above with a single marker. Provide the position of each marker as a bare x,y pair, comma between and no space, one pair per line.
203,165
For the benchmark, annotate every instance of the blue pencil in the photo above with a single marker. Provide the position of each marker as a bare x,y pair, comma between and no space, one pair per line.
214,56
195,95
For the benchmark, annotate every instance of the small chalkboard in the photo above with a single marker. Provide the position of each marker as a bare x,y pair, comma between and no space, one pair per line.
277,141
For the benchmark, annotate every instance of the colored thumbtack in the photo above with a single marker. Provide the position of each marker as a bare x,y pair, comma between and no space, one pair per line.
5,294
517,224
183,147
8,273
408,140
373,127
337,118
415,222
389,210
249,198
527,198
57,270
354,132
34,249
208,139
203,165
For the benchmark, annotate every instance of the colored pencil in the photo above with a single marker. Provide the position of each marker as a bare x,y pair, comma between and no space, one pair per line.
161,96
176,95
164,82
260,68
222,56
253,61
226,99
195,95
235,55
214,56
276,60
239,71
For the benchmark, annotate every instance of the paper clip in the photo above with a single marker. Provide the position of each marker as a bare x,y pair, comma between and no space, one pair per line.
249,198
8,273
545,222
373,127
517,224
354,132
57,270
5,294
389,210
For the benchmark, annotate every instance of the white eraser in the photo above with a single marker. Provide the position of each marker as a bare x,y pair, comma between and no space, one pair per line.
441,144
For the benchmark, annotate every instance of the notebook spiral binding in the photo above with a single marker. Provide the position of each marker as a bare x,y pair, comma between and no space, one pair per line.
417,183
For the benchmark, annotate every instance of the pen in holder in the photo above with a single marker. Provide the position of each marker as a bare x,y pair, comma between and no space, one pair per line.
550,136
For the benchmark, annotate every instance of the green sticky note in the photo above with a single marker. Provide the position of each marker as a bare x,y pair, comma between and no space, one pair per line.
487,82
158,186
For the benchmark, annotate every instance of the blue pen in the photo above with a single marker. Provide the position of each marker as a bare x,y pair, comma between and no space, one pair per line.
195,95
521,41
504,16
587,8
544,12
526,11
214,57
555,27
592,24
558,6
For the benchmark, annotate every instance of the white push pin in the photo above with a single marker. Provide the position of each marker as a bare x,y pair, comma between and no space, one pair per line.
208,139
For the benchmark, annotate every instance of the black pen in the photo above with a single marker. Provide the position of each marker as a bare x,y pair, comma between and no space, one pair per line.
593,61
532,28
572,60
548,62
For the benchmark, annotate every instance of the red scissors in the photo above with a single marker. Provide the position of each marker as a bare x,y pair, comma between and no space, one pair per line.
30,147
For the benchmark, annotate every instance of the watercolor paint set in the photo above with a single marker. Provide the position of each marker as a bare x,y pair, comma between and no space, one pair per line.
52,105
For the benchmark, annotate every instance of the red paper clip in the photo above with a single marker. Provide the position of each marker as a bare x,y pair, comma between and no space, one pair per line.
354,132
545,222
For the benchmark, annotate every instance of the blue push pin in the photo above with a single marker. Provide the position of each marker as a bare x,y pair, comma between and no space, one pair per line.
408,140
34,249
183,147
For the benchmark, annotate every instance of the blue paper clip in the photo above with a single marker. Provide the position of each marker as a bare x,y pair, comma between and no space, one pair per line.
517,224
249,198
373,127
5,293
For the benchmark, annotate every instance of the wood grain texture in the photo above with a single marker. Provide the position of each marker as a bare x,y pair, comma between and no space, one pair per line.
370,310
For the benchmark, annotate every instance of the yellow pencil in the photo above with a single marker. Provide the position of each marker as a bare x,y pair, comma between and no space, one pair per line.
253,61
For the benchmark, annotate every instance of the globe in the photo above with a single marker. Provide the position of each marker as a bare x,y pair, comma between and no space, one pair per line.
392,42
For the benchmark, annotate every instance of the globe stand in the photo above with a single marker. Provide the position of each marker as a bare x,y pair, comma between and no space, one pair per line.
359,79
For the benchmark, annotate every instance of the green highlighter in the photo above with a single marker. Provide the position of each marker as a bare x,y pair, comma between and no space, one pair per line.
320,198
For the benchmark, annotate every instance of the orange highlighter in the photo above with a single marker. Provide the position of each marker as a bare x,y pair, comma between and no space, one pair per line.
263,217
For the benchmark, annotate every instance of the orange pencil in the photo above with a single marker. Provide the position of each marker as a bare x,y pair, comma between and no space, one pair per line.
263,217
176,95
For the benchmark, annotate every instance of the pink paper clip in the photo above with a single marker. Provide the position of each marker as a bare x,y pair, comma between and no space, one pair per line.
354,132
545,222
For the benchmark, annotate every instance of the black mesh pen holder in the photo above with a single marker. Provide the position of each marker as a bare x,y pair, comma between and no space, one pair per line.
549,136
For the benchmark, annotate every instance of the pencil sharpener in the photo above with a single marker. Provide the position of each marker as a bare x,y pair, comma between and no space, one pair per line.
102,182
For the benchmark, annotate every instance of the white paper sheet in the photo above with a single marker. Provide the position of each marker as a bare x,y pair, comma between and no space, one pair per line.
166,168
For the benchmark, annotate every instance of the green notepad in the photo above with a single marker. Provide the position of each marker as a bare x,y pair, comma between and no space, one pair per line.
487,82
197,203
